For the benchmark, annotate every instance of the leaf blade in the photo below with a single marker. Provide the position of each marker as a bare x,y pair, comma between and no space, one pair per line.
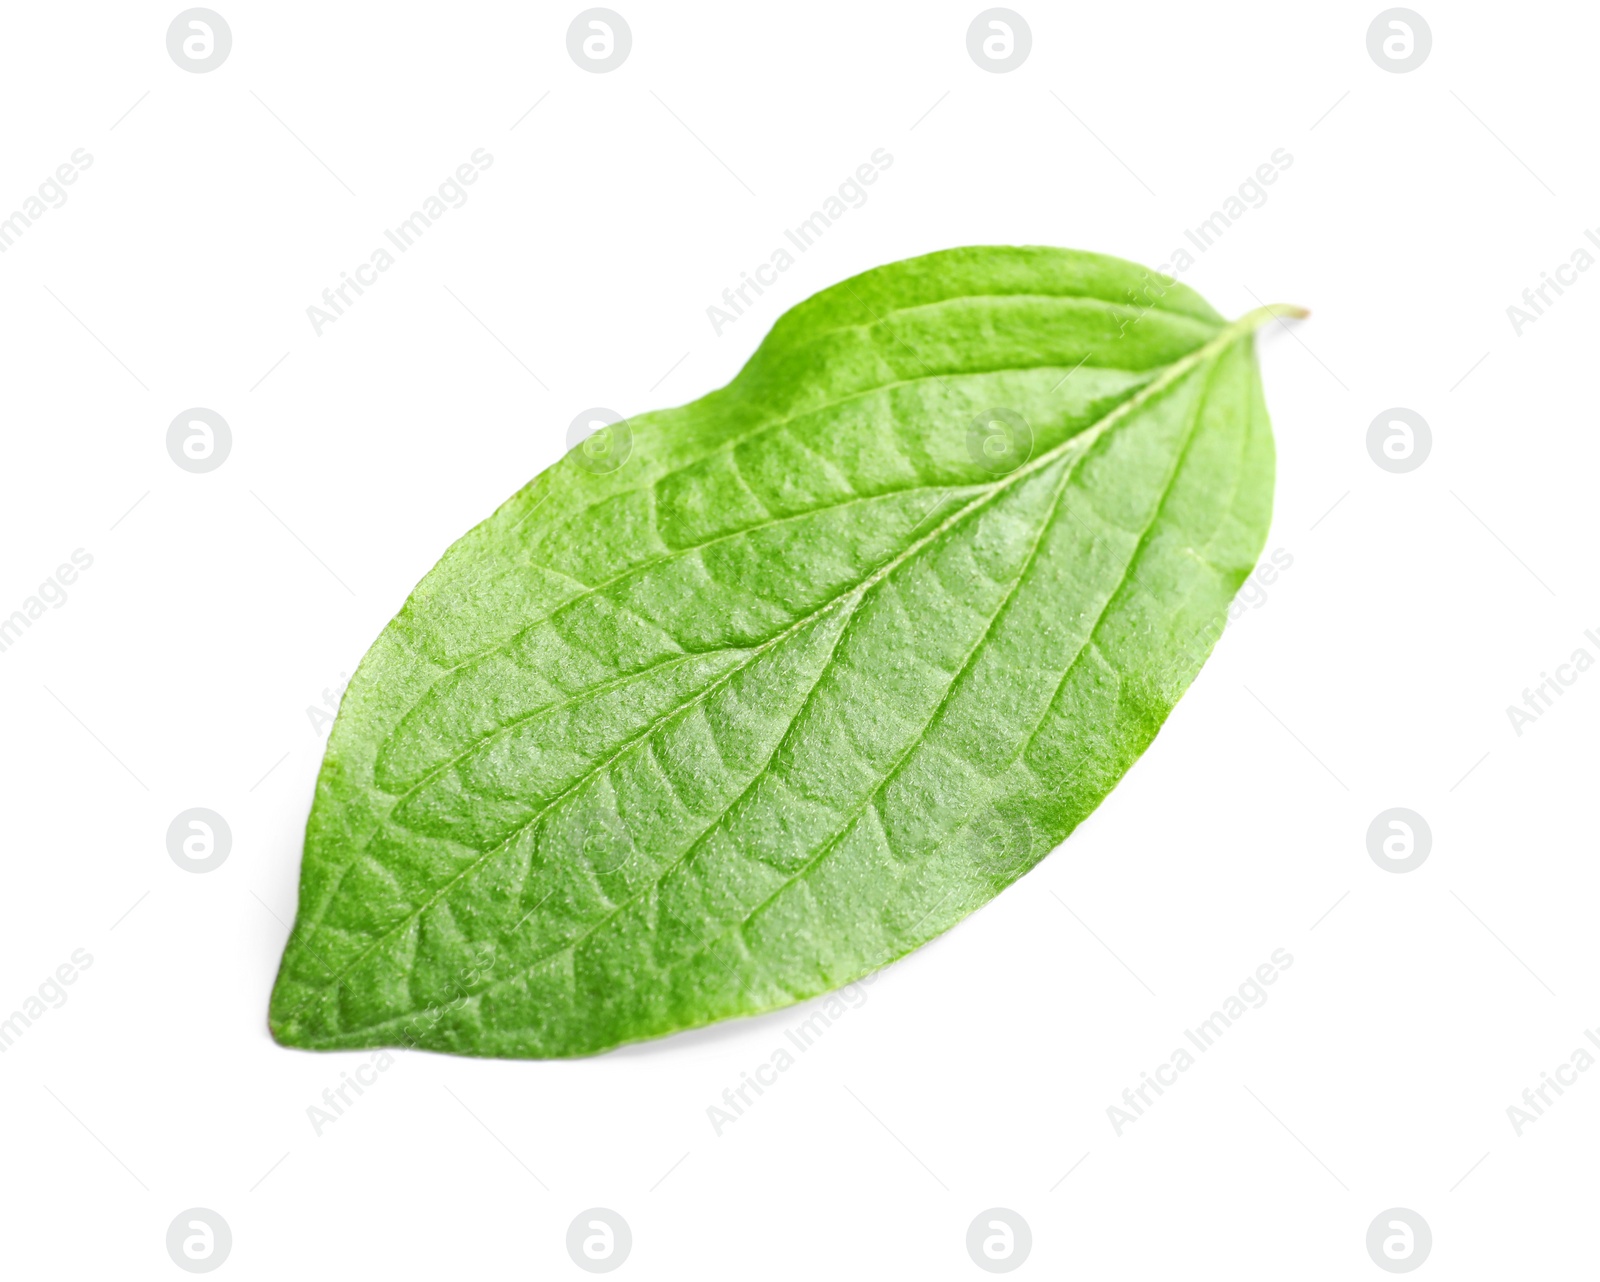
842,769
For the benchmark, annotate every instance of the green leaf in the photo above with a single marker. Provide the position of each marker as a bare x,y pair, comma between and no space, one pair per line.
822,663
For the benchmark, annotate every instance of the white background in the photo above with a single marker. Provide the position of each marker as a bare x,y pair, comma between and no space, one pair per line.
978,1072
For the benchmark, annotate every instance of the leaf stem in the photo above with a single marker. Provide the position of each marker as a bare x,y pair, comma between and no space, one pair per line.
1253,320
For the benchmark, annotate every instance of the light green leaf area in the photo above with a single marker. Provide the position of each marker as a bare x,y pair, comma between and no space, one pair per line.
836,654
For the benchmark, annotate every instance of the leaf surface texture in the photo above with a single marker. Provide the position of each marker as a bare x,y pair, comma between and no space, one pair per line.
839,651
